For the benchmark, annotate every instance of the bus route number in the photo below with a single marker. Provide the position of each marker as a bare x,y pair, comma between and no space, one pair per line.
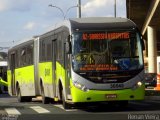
117,85
47,72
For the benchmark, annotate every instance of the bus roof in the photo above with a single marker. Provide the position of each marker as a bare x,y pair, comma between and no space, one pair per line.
21,43
101,23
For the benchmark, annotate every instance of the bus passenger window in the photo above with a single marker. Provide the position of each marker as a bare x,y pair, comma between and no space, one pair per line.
23,59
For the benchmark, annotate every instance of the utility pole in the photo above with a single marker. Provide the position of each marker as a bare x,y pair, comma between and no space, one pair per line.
79,9
115,14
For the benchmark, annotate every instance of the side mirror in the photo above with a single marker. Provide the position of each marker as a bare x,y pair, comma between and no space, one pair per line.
142,42
143,46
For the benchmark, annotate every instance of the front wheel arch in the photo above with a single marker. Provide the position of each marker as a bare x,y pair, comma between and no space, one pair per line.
18,93
60,88
17,87
45,100
62,96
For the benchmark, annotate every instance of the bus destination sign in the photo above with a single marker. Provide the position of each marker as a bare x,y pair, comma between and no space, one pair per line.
105,36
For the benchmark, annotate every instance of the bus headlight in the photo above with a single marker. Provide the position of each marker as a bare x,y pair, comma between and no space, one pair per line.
80,86
137,85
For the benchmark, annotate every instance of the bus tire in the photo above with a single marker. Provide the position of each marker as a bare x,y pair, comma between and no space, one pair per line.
19,96
45,100
65,105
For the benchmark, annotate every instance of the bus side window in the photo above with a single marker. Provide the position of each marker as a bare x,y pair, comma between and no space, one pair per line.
29,55
43,51
23,57
48,50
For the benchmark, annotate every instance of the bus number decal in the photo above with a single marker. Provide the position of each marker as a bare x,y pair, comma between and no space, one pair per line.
47,72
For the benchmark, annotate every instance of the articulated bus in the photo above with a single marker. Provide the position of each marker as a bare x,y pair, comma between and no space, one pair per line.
83,60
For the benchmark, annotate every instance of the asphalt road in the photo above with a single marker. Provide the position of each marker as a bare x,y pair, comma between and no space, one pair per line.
10,109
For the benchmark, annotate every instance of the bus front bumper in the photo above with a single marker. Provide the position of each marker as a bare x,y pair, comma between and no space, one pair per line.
79,95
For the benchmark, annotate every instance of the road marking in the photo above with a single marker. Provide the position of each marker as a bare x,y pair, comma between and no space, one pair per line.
12,111
39,109
61,107
71,110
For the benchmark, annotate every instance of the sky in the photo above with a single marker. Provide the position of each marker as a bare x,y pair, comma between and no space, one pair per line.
23,19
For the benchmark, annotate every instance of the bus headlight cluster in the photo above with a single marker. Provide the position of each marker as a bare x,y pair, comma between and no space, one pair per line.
80,86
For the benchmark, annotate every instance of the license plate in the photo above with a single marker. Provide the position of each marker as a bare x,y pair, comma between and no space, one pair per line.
111,96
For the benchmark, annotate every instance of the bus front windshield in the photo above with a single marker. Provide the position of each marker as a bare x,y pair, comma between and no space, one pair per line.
106,51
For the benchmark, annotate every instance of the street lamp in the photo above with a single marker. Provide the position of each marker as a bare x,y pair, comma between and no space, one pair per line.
64,14
69,9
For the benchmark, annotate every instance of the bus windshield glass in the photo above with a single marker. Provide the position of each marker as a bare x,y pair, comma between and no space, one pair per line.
106,51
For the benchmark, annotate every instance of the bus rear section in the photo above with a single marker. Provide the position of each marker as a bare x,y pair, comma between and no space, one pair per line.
21,71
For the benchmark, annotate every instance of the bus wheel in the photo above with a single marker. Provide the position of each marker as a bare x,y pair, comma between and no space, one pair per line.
45,100
20,98
65,105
